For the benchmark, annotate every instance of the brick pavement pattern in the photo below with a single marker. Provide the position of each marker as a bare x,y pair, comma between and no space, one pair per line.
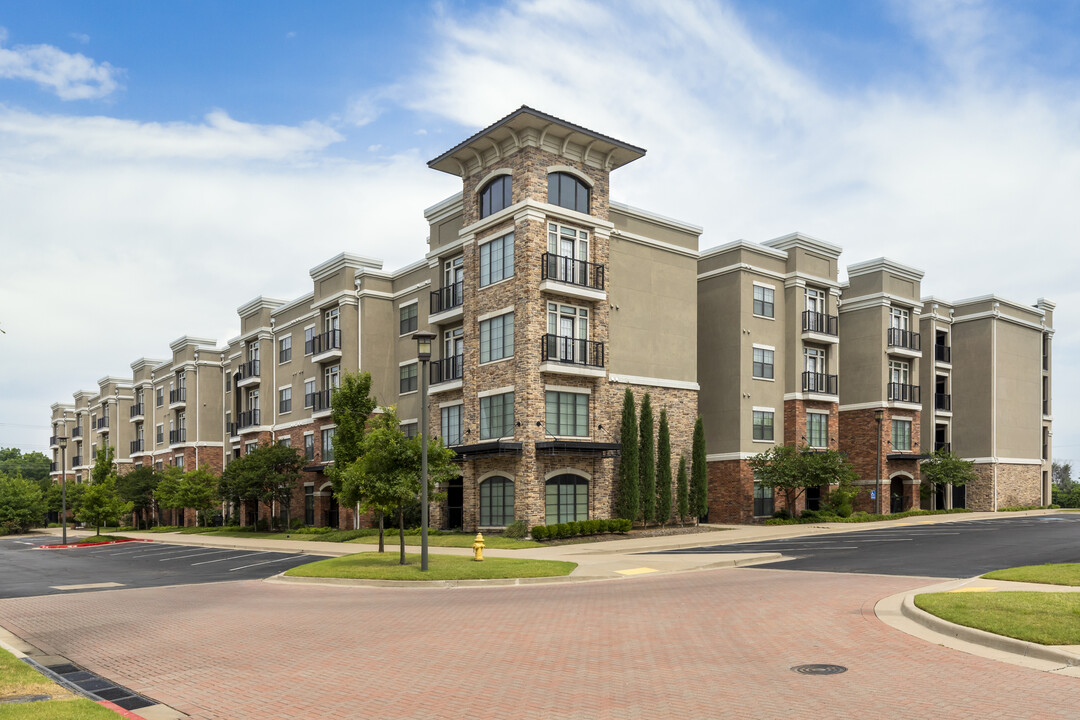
706,644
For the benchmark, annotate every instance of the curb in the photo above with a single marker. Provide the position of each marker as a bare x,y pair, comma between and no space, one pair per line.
71,546
989,640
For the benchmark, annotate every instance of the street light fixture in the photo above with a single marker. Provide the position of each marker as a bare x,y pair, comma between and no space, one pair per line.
879,415
423,354
62,442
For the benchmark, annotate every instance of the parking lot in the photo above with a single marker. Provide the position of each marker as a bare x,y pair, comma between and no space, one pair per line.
926,547
29,571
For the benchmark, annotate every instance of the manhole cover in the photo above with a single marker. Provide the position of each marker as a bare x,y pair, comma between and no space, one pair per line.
819,669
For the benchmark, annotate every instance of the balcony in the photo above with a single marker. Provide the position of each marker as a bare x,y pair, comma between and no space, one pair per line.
101,424
820,327
136,447
446,373
326,346
319,401
900,392
176,437
943,353
136,412
820,383
54,466
232,428
177,397
571,356
76,431
76,461
54,442
939,446
446,303
248,373
567,276
943,402
248,418
905,342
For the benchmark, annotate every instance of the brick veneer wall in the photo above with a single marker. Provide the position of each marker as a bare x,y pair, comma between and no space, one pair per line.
859,441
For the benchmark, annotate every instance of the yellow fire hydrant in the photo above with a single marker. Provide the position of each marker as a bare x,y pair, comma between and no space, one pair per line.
478,547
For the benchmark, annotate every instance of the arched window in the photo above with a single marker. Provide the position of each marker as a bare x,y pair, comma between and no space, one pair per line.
496,195
567,191
567,499
496,502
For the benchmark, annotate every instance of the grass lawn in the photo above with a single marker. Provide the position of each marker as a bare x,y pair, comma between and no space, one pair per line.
1050,574
384,566
18,678
460,540
368,536
98,539
1044,618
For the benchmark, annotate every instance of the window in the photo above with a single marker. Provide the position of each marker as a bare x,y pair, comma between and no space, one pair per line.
309,504
566,499
285,441
497,260
253,400
408,318
332,320
496,195
410,430
764,301
309,393
285,349
309,447
332,376
763,425
178,461
228,381
568,251
899,372
567,191
309,340
408,378
328,445
817,430
567,413
901,435
159,399
815,300
451,425
285,400
160,433
497,338
497,416
159,466
250,447
763,500
496,502
898,318
569,327
763,363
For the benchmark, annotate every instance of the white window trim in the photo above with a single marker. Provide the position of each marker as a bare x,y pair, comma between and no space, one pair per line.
816,412
452,403
495,313
403,363
764,347
495,391
410,421
902,417
568,389
407,303
764,285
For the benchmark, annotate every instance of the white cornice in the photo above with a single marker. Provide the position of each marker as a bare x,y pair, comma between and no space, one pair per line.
654,382
259,303
444,209
806,242
740,267
884,264
302,300
649,242
744,245
188,341
652,217
340,261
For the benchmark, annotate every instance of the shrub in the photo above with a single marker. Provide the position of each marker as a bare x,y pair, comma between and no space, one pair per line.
516,530
782,514
540,532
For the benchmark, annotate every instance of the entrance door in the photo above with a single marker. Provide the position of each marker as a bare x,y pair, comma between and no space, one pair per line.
813,498
896,494
455,501
332,513
959,496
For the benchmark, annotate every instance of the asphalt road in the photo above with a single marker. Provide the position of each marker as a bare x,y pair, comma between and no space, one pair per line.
927,548
27,571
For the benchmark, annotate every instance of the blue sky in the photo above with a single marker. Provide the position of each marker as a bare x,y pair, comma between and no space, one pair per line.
147,148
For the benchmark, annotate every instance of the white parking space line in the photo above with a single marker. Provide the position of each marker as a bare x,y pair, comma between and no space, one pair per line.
157,552
128,552
191,555
234,557
266,562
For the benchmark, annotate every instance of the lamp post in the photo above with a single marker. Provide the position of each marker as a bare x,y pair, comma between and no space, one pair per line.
62,442
879,415
423,354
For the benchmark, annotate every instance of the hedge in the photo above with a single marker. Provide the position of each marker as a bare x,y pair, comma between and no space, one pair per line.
581,527
816,517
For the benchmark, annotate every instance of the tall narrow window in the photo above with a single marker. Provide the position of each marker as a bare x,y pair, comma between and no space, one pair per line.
763,499
901,435
451,425
497,338
328,445
408,318
567,191
496,502
408,378
497,260
763,424
496,416
899,318
566,499
285,349
817,430
285,400
496,195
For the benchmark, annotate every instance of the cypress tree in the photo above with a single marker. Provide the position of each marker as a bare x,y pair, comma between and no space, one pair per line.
683,491
699,483
647,461
663,471
627,500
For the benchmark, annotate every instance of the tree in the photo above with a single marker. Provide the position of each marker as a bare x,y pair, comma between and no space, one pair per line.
33,466
663,471
54,500
699,479
781,468
1061,472
168,493
944,468
828,467
21,504
627,503
198,489
138,488
386,476
279,467
683,491
647,461
351,406
101,504
104,465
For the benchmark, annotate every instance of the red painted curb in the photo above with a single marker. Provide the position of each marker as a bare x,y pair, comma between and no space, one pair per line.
82,545
117,709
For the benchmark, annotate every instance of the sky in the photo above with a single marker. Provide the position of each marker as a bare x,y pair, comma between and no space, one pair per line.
163,163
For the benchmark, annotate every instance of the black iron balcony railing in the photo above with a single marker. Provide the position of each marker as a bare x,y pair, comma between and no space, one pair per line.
329,340
556,348
943,401
901,392
76,460
820,383
446,369
54,466
178,395
938,446
136,410
136,446
248,418
102,422
318,401
53,440
943,353
76,431
249,369
905,339
572,272
820,323
177,436
447,298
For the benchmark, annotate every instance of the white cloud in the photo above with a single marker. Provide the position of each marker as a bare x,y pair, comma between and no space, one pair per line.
80,37
70,76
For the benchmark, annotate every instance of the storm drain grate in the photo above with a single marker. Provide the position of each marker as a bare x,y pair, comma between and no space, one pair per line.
817,669
81,681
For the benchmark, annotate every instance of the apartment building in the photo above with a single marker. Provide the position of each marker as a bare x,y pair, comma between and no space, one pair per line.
63,425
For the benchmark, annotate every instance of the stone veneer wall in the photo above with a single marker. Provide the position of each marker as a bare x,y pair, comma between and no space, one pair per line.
1017,485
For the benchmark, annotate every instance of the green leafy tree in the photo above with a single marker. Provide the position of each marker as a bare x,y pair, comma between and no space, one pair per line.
1061,472
104,465
826,468
279,468
627,502
699,478
682,483
54,497
21,504
781,467
168,494
102,505
198,489
663,471
33,466
352,406
386,477
944,468
647,461
137,487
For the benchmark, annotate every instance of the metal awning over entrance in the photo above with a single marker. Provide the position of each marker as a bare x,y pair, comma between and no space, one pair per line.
905,456
578,447
495,447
